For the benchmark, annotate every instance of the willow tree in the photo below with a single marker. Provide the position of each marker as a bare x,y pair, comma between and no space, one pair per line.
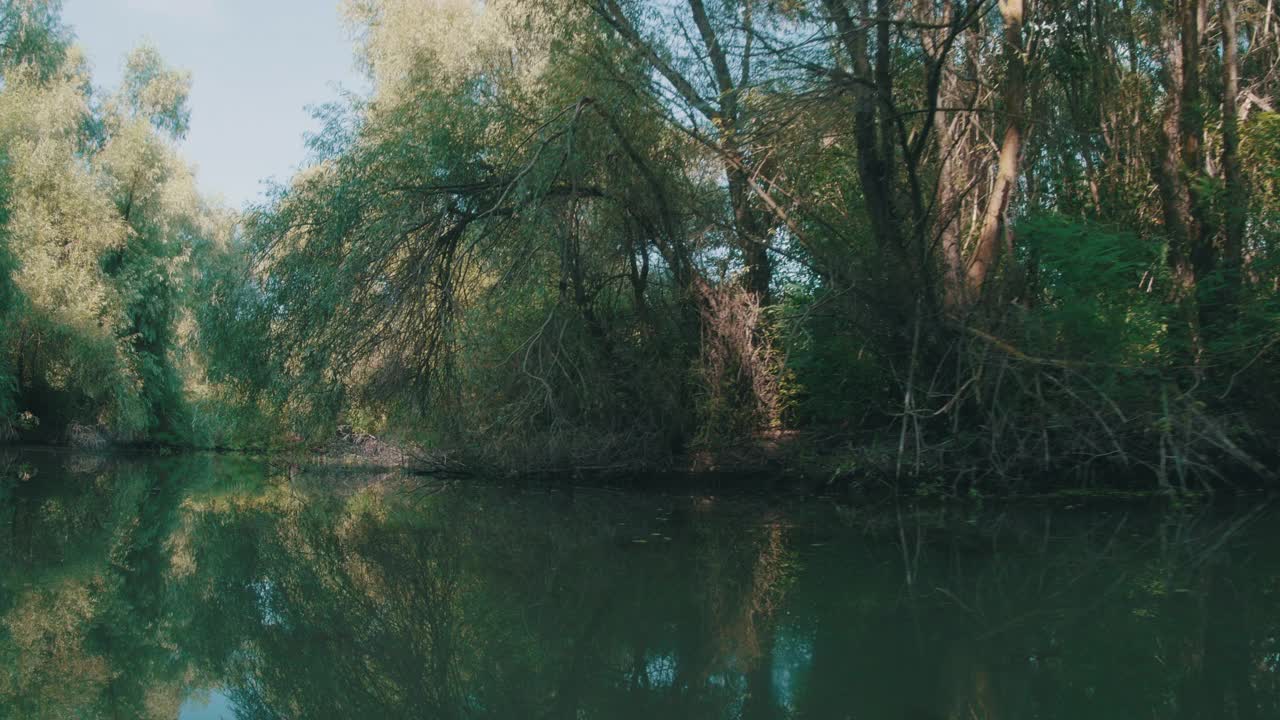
59,226
704,85
602,222
463,254
32,34
99,211
155,196
33,41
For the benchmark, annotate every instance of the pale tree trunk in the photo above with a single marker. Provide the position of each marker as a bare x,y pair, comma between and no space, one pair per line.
1010,159
1178,160
948,221
1202,232
1237,195
948,191
1166,162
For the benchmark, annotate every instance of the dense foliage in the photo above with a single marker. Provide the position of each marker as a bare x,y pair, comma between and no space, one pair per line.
101,221
990,237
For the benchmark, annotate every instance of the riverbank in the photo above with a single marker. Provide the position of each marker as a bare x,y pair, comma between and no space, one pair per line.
774,463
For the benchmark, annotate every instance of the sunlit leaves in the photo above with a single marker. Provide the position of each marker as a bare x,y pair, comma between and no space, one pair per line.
155,92
99,215
32,35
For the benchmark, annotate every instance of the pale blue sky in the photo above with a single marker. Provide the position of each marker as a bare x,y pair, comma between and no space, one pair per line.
256,65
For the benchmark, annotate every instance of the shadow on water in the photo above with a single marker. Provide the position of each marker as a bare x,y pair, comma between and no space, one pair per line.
212,586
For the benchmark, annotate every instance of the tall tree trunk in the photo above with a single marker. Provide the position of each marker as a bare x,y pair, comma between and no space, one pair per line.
1015,92
752,237
949,203
1177,160
874,175
948,221
751,230
1166,165
1236,194
1201,231
724,113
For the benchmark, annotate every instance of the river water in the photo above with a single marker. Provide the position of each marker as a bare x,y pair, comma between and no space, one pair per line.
203,587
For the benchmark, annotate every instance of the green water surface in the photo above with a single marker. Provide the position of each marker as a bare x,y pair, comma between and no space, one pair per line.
218,587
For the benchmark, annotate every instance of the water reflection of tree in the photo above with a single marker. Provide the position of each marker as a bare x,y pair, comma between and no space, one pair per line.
84,612
494,606
148,581
1056,615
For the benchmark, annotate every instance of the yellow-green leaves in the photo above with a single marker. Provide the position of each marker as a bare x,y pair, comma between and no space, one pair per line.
98,219
60,220
154,91
446,43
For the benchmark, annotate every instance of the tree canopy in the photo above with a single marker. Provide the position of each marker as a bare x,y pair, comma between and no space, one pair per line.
989,238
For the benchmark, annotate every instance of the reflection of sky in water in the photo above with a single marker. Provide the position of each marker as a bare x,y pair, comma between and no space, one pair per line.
661,670
792,656
265,591
207,705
